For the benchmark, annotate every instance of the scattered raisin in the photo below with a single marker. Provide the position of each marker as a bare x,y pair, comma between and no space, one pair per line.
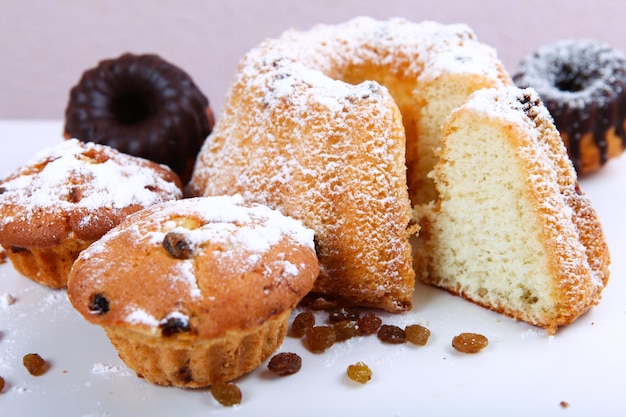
320,338
391,334
177,245
469,342
302,322
172,325
359,372
1,384
342,314
226,393
3,190
369,323
34,363
98,304
345,330
285,363
416,334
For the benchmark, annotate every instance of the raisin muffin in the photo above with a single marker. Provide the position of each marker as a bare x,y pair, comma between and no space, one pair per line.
67,197
196,291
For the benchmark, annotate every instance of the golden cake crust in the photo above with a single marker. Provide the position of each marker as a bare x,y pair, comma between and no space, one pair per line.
195,274
335,154
68,197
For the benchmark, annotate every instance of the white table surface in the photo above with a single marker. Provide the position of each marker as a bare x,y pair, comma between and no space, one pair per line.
523,372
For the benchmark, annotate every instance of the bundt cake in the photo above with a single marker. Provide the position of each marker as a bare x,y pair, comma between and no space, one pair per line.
141,105
583,85
512,230
304,130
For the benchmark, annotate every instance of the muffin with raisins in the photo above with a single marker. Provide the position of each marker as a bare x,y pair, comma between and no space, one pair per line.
67,197
196,291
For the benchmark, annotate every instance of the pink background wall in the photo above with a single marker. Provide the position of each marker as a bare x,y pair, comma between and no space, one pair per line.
45,45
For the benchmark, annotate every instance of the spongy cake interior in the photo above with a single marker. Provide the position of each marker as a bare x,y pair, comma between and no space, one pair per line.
511,230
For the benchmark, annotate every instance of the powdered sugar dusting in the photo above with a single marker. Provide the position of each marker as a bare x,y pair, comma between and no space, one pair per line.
142,317
574,71
117,182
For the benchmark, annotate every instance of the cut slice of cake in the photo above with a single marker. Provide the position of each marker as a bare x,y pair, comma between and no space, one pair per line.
512,230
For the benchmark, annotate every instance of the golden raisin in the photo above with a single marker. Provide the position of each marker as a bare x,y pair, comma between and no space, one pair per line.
320,338
391,334
469,342
226,393
359,372
301,323
345,330
1,384
34,364
285,363
369,323
416,334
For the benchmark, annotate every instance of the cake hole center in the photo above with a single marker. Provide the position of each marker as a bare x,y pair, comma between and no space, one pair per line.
132,107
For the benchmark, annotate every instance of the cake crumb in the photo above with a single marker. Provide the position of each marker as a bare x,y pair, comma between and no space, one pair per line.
3,256
564,404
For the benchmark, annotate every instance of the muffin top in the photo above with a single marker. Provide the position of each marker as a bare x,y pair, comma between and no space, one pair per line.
78,188
195,267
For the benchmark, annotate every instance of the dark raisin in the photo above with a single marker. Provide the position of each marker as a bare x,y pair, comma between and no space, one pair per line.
391,334
3,190
416,334
1,384
345,330
369,323
172,325
469,342
34,363
285,363
177,245
98,304
342,313
359,372
320,338
301,323
226,393
17,249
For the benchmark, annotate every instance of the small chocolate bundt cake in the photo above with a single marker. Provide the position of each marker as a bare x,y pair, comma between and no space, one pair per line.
141,105
583,85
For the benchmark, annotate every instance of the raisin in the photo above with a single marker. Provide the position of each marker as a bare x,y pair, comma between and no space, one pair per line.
98,304
342,314
226,393
1,384
416,334
34,363
320,338
285,363
369,324
3,190
177,245
75,195
359,372
301,323
345,330
172,325
391,334
469,342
